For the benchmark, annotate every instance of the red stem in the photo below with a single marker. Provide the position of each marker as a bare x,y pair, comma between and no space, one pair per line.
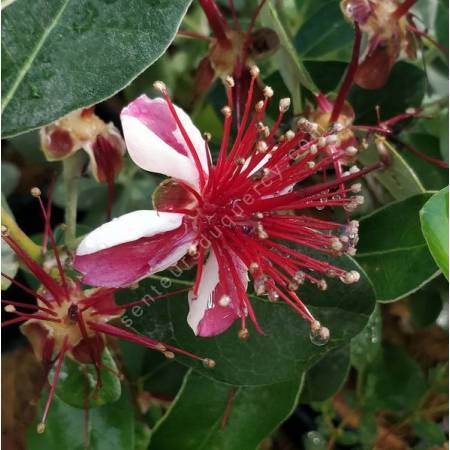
349,76
403,8
216,21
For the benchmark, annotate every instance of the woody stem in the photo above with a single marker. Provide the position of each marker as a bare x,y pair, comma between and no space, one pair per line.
72,167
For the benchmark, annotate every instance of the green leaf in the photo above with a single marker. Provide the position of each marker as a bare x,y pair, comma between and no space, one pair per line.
392,249
195,419
60,55
425,305
431,434
434,221
326,74
77,383
326,36
327,376
281,354
404,89
10,265
10,178
430,175
441,22
152,370
367,344
290,66
399,179
109,427
394,382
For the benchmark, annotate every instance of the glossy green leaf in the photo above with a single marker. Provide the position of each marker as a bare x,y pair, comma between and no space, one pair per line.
434,220
367,344
77,383
430,433
108,427
425,305
290,65
394,382
60,55
10,178
392,249
326,36
282,353
151,370
404,89
399,179
441,22
198,412
430,175
10,264
327,376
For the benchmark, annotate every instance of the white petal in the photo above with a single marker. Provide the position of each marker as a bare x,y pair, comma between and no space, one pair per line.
127,228
151,153
198,305
160,145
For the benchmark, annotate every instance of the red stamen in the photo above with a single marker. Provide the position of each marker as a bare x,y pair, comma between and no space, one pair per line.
29,306
54,246
27,289
41,426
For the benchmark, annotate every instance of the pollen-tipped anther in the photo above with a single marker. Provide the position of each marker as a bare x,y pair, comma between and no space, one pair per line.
229,81
5,231
226,111
35,192
289,135
268,92
337,127
243,334
209,363
259,106
225,301
261,147
351,277
284,105
160,86
332,139
351,151
254,71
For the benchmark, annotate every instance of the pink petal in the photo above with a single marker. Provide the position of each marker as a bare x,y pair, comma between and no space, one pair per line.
133,246
155,142
207,316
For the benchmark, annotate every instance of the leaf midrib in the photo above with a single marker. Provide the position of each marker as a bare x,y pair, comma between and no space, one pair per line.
391,250
29,61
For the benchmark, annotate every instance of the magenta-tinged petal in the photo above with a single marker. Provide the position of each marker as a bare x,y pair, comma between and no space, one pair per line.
117,261
217,304
155,142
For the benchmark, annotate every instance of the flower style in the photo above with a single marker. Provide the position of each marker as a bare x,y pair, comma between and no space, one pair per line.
67,320
233,216
84,129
